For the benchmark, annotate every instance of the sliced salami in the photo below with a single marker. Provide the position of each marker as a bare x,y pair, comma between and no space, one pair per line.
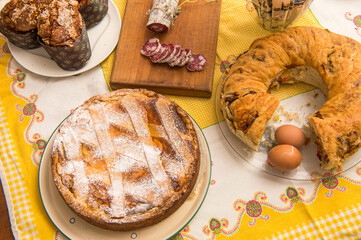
181,59
151,47
162,14
178,51
167,51
188,52
171,52
161,54
196,62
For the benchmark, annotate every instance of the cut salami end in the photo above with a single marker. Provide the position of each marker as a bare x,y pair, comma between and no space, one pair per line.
161,15
150,47
161,54
196,62
157,28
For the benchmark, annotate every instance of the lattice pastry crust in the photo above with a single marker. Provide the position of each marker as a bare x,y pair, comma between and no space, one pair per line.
126,159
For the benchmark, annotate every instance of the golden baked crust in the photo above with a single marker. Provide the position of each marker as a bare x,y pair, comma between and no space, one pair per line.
59,22
126,159
83,2
316,56
19,16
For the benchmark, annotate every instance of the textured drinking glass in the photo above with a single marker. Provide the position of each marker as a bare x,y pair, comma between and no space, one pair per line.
276,15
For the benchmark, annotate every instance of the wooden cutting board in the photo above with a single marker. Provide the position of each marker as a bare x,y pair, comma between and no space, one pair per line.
195,28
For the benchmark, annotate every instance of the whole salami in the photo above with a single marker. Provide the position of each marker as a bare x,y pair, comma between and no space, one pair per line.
162,14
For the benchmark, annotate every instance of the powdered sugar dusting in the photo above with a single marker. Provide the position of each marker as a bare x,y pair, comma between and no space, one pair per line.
81,184
149,192
132,149
153,158
172,132
114,146
116,191
71,145
66,13
101,127
125,164
175,167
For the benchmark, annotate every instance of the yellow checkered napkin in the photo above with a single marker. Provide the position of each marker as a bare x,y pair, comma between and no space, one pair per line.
343,224
20,206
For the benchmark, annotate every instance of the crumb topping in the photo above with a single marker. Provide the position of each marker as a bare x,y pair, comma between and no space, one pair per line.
20,15
59,22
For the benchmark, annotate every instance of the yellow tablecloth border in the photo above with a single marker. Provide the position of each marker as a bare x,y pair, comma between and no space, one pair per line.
29,218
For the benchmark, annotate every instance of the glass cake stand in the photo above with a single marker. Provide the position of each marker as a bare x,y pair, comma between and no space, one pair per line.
292,110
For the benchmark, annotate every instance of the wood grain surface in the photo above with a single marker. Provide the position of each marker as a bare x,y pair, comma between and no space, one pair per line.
5,229
195,28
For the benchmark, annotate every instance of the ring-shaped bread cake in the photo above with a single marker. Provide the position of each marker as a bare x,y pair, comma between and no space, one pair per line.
326,60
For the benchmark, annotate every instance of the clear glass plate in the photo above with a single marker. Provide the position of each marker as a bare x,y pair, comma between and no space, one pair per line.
73,227
293,110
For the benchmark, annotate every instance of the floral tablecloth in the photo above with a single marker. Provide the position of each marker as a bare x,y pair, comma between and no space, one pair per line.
242,201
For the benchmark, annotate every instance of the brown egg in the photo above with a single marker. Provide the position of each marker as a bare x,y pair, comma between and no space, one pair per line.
289,134
284,157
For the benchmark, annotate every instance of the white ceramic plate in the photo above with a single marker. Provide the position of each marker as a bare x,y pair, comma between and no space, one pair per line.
102,37
293,110
75,228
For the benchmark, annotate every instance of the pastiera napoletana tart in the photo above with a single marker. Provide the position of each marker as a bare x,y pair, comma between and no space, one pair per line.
126,159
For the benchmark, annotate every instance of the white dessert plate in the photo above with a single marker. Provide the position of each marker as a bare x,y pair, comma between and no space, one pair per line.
73,227
293,110
103,38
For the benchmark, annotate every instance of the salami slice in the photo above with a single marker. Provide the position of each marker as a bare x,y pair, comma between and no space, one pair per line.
171,52
181,59
162,14
178,51
184,58
188,52
196,62
161,54
151,47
